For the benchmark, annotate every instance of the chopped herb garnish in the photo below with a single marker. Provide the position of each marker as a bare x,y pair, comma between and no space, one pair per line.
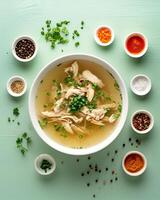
120,108
9,119
48,93
43,123
77,44
61,129
16,112
69,80
75,34
82,24
45,165
24,135
77,102
56,34
58,88
23,143
45,106
116,85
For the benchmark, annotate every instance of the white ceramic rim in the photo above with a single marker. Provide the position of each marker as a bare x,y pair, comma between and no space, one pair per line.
142,52
135,173
141,93
11,80
39,159
150,126
15,43
51,142
98,40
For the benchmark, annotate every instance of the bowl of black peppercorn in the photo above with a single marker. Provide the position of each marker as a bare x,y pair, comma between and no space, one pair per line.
24,48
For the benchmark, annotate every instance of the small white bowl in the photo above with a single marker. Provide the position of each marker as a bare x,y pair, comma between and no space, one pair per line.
151,121
38,161
142,87
138,173
98,40
138,55
15,43
11,80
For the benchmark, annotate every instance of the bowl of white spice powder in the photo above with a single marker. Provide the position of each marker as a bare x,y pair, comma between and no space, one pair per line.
140,84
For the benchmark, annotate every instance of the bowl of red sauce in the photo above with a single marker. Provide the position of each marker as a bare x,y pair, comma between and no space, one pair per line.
136,44
104,35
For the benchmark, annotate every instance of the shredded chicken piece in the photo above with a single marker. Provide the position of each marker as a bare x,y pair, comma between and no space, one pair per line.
67,127
100,123
51,114
58,103
74,118
74,69
77,129
72,91
85,110
105,119
92,78
90,92
109,105
112,119
98,113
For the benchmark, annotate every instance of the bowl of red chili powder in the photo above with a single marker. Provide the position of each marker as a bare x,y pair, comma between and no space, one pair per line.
134,163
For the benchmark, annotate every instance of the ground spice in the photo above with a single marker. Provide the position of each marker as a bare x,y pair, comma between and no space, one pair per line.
17,86
134,163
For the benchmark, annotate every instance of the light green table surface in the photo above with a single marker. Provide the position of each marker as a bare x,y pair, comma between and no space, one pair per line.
18,179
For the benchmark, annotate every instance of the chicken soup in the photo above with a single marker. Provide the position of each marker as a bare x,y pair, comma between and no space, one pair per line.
78,104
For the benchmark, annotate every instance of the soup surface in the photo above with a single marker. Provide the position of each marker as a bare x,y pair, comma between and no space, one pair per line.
78,104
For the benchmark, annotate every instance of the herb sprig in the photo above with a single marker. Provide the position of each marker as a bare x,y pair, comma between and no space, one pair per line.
23,142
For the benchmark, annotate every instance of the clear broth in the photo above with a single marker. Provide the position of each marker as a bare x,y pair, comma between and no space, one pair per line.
96,134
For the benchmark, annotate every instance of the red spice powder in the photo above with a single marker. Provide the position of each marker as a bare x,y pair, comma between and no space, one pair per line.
134,163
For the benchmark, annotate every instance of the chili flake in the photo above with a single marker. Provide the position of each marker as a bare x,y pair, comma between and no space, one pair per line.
104,34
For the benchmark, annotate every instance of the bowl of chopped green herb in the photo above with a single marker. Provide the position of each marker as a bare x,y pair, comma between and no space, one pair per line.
78,104
45,164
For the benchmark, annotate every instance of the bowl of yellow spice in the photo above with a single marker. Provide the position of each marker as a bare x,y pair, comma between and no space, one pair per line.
16,86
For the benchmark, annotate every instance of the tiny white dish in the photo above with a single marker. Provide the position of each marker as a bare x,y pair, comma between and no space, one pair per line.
141,171
9,83
38,162
151,121
140,54
98,40
14,46
140,84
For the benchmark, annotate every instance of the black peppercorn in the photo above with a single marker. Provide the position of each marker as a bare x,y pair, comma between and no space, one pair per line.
106,168
116,151
82,174
25,49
